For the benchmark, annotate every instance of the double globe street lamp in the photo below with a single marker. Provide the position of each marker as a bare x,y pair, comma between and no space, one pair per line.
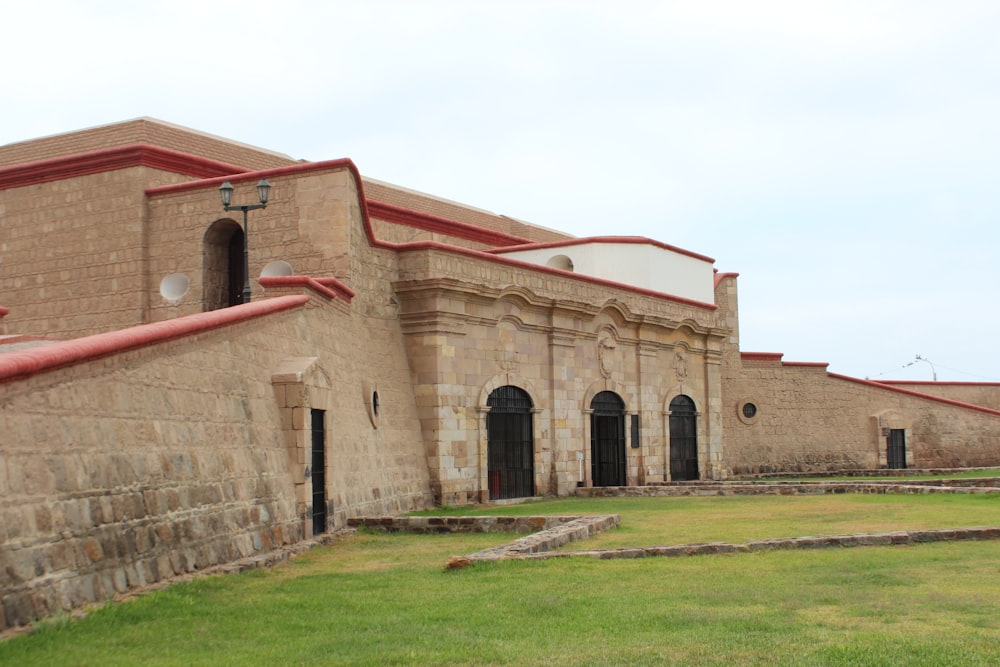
263,192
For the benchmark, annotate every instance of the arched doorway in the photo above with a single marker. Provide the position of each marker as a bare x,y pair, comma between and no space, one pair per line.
222,272
607,440
683,440
510,450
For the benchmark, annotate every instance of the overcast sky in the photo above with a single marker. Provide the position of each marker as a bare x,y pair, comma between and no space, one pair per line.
842,157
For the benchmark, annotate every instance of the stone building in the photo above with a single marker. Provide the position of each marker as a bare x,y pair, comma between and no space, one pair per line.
399,351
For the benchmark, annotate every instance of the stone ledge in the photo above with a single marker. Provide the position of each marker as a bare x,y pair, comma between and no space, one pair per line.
785,488
896,537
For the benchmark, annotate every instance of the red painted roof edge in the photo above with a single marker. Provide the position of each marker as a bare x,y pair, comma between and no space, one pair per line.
761,356
935,382
806,364
26,363
719,277
917,394
108,159
489,257
331,288
620,240
433,223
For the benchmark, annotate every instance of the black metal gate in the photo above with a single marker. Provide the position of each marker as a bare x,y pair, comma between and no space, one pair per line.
896,448
607,440
510,451
683,440
318,472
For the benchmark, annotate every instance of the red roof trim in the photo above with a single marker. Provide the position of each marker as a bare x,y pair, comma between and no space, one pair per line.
917,394
487,256
619,240
347,164
719,277
806,364
433,223
26,363
936,383
109,159
761,356
331,288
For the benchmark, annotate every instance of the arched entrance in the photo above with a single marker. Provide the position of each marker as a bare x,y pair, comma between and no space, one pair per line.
222,272
683,440
510,451
607,440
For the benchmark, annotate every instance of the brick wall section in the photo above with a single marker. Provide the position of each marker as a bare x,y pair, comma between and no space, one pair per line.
74,253
986,394
143,131
137,467
417,201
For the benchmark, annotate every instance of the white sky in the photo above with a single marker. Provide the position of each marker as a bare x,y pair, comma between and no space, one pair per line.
841,156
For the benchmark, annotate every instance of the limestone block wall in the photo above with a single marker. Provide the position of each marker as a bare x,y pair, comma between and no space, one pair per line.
73,252
808,420
136,467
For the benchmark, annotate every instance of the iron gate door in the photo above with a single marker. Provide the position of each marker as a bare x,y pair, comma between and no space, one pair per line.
318,473
607,440
510,451
896,448
683,440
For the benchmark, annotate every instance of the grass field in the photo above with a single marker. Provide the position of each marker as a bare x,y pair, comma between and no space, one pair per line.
377,599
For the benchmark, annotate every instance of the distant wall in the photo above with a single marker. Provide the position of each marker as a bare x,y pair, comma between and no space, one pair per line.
137,467
986,394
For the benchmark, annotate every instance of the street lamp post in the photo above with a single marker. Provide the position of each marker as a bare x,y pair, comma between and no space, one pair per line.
263,192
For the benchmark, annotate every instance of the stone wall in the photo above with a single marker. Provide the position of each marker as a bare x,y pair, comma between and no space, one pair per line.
74,253
135,467
985,394
806,419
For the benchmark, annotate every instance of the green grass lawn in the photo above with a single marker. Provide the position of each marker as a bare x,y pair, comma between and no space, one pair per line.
378,599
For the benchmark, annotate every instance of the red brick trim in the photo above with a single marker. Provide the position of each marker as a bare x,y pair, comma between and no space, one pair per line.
433,223
617,240
26,363
806,364
331,288
109,159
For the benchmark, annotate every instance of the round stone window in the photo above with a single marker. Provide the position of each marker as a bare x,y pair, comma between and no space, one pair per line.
747,411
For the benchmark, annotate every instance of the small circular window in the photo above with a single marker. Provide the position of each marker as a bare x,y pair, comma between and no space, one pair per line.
747,411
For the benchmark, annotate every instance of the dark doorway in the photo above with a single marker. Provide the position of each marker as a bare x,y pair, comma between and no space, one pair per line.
222,270
607,440
683,440
896,448
318,472
510,451
236,276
